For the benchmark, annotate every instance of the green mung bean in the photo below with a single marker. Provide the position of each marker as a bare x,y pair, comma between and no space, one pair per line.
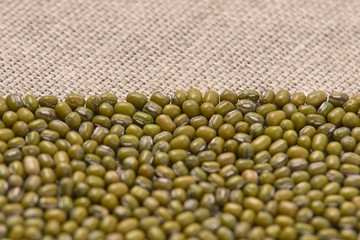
240,164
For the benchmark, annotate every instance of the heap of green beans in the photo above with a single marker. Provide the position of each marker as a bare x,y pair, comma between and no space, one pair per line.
235,165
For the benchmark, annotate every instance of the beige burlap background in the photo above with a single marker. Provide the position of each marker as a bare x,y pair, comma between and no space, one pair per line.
91,47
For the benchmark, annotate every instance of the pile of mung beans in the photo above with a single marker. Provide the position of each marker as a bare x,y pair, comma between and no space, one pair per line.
236,165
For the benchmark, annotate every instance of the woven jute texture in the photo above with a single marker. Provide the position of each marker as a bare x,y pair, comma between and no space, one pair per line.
91,47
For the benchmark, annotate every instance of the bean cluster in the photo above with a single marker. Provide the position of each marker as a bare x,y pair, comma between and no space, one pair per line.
244,165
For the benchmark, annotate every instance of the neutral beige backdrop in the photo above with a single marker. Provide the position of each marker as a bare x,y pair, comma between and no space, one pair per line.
92,46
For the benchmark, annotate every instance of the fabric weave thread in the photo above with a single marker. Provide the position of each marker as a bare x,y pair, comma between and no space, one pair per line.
91,47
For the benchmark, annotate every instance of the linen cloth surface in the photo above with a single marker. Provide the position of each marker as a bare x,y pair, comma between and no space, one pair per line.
91,47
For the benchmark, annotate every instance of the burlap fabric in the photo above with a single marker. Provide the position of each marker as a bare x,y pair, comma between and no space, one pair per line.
91,46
